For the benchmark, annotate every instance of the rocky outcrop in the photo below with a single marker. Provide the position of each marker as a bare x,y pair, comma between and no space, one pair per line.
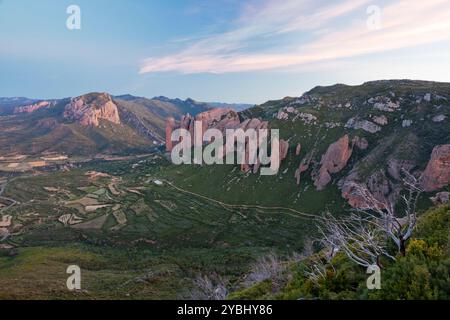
407,123
355,123
284,149
170,125
381,120
377,184
255,124
223,119
384,104
439,118
437,172
220,119
304,166
333,161
298,149
89,109
33,107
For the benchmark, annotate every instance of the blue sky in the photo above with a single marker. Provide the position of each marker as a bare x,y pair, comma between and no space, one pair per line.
218,50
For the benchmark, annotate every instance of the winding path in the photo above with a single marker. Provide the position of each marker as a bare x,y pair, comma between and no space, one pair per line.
294,213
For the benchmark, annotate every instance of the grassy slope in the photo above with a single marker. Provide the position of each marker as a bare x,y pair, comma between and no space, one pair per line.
167,244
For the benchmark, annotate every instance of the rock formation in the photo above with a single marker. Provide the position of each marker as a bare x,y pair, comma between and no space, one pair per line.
381,120
437,172
333,161
89,109
355,123
220,119
304,166
284,148
439,118
33,107
377,184
170,125
298,149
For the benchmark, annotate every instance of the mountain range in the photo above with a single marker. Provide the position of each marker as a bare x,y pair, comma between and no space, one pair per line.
89,124
338,136
86,181
331,136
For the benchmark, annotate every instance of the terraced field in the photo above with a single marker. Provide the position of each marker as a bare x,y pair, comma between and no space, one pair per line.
134,232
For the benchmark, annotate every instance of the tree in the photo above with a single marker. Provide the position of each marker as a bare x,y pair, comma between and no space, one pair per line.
362,236
356,236
383,212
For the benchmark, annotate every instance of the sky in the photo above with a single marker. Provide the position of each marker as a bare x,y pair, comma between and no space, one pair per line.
218,50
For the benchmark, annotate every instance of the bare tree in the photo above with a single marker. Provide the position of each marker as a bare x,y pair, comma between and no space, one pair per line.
383,212
267,267
356,236
209,288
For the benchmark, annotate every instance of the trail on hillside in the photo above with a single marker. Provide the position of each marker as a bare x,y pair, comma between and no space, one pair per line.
294,213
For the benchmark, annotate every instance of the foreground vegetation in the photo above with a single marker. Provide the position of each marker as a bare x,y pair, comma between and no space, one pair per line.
424,273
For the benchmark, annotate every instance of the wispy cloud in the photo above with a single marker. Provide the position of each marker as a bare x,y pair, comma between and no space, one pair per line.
279,35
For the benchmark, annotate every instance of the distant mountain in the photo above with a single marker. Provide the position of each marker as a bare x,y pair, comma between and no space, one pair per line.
7,105
90,124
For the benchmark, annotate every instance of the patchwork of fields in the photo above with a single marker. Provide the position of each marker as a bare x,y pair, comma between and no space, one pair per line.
134,233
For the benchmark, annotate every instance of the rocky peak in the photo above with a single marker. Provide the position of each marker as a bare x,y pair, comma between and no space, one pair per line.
219,118
333,161
89,109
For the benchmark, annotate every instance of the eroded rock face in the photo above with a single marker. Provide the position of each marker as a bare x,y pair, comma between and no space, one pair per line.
170,125
333,161
284,148
220,119
377,184
298,149
381,120
437,172
439,118
304,166
33,107
365,125
89,109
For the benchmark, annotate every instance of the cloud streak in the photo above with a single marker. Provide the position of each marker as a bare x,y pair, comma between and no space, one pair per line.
297,32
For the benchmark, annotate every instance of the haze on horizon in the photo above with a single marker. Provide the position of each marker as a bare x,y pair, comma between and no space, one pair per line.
224,50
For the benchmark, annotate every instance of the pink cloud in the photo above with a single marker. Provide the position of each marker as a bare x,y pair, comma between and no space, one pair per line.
405,23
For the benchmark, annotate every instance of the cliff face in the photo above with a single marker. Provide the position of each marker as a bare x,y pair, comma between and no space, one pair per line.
89,109
220,119
223,119
365,135
437,172
170,125
333,161
33,107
